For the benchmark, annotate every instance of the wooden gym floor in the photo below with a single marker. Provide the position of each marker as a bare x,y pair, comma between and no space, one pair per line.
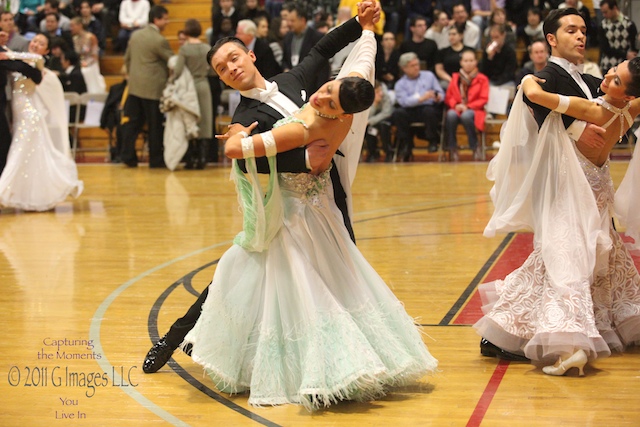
89,287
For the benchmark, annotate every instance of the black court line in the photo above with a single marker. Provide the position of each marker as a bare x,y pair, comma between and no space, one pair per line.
474,283
152,325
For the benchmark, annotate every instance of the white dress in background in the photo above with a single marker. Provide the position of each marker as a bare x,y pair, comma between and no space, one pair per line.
579,288
39,173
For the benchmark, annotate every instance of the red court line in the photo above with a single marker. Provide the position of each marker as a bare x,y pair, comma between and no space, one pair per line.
487,396
511,258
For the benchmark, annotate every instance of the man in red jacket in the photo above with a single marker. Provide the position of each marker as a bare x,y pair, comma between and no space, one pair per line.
466,97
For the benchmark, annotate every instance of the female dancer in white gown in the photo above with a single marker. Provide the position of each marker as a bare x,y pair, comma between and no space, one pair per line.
577,296
40,172
295,314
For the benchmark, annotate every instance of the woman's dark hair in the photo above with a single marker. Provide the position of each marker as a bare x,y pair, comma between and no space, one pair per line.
274,30
633,87
192,28
356,94
71,56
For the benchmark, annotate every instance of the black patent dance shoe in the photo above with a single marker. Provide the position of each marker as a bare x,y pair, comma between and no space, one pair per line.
491,350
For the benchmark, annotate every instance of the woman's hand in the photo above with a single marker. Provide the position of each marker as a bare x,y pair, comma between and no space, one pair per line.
236,128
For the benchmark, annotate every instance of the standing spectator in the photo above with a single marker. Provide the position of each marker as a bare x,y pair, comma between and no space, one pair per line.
439,30
86,45
616,36
273,7
134,14
93,25
448,60
426,49
16,41
533,30
538,57
146,61
470,31
517,13
193,56
379,124
223,9
499,60
420,98
387,69
466,97
300,40
265,61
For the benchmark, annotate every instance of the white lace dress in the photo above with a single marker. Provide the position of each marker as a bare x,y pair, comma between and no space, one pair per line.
39,173
579,288
298,315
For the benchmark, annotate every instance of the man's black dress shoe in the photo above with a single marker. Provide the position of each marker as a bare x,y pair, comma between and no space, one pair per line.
157,357
491,350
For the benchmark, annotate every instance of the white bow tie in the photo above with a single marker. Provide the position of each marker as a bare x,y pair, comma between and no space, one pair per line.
265,95
576,68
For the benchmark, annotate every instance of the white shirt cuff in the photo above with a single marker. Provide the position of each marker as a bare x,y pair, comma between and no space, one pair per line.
575,130
306,159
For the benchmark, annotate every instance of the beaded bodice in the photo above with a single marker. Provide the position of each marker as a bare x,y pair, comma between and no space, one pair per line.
600,181
304,185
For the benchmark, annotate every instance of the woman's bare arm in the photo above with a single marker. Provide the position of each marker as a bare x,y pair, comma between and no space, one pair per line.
580,108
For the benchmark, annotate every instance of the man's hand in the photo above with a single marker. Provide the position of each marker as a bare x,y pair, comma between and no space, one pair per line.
368,14
592,136
235,128
318,151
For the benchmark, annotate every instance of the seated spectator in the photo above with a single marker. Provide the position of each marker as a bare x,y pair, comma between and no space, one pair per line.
262,27
417,8
223,10
52,62
533,30
538,56
134,14
379,124
392,11
448,59
92,24
426,49
499,17
466,97
86,46
52,30
470,31
499,60
387,57
251,9
481,12
16,41
71,78
439,30
27,19
52,6
420,97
